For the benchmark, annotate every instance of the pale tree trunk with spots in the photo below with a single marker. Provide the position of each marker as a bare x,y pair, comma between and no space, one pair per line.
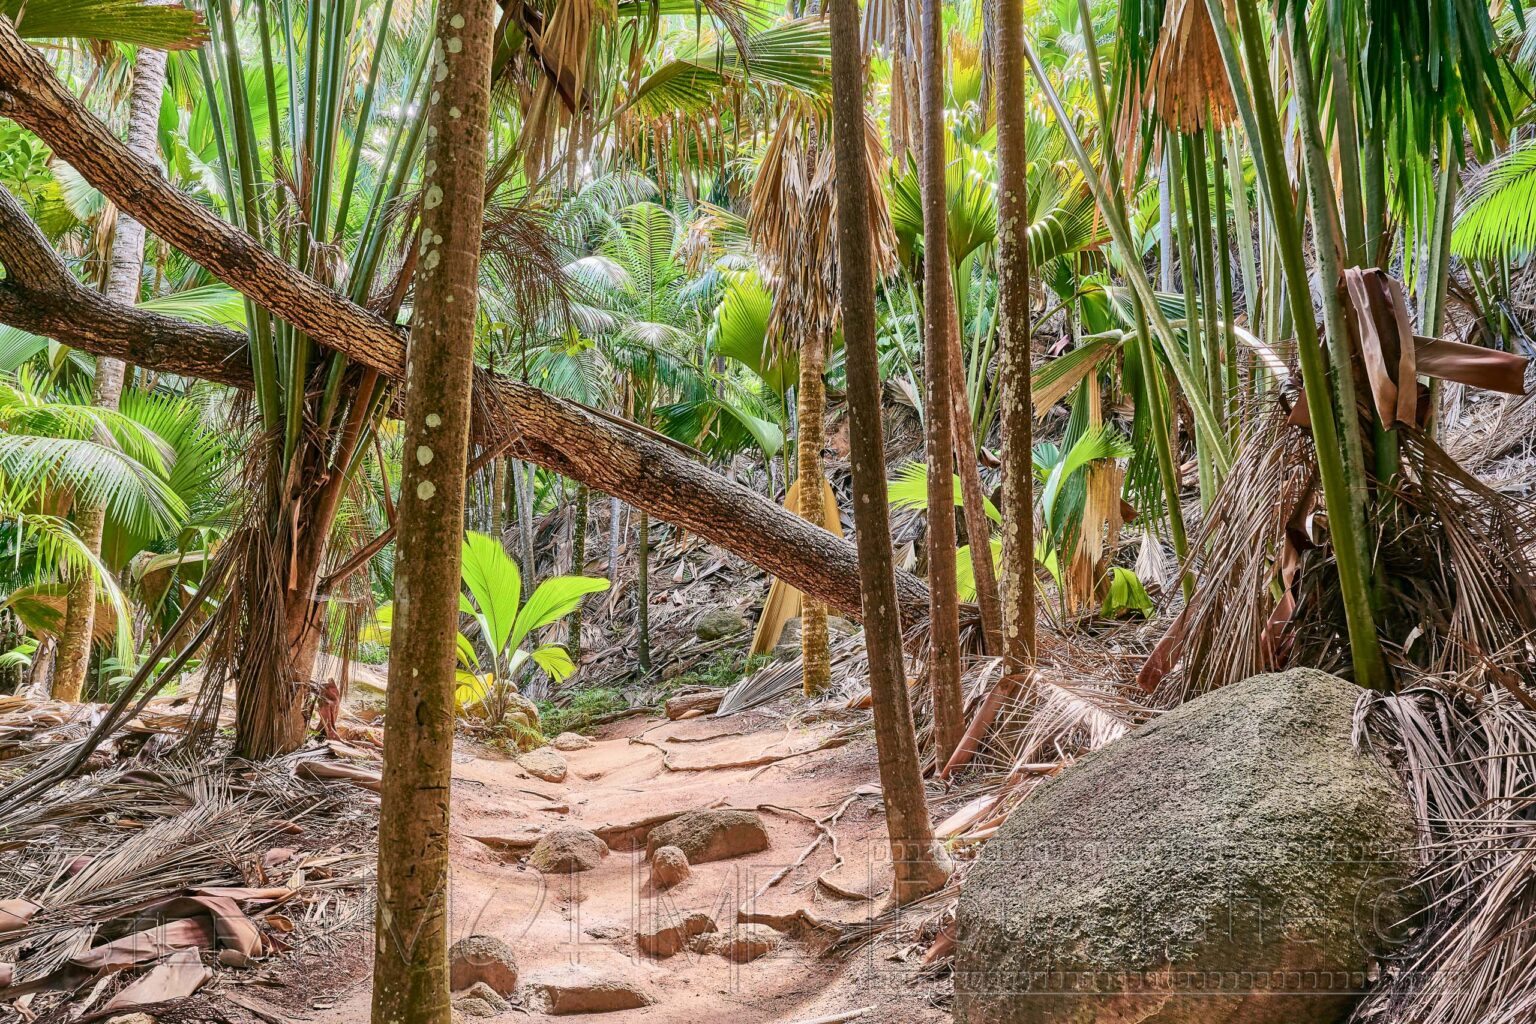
123,273
918,862
410,972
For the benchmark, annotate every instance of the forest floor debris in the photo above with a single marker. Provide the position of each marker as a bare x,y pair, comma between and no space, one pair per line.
285,850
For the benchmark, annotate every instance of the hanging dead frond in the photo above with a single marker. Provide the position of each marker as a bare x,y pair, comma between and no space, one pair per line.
794,218
1187,86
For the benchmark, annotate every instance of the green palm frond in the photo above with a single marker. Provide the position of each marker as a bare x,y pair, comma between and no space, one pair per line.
59,551
1497,219
1071,226
162,26
910,490
215,304
103,475
793,57
740,333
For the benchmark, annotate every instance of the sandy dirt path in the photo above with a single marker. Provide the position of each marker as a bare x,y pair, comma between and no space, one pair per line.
591,918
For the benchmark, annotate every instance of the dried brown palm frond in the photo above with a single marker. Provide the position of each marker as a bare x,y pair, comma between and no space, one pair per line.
794,217
1469,764
1187,85
95,853
560,48
523,259
1455,559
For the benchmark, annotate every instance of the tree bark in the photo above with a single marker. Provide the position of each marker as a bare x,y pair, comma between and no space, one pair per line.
811,415
498,497
1015,363
917,861
944,603
410,977
125,267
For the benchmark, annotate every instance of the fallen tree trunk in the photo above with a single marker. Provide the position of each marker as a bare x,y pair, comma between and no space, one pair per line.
39,295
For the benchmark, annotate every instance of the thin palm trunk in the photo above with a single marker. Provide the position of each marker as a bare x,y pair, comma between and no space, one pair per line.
916,860
122,285
643,591
410,979
978,527
498,497
615,535
578,567
944,606
811,414
1015,363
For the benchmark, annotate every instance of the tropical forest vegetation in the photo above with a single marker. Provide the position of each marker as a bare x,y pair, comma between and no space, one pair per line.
989,511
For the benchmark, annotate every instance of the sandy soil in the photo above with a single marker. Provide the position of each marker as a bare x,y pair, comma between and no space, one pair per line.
590,918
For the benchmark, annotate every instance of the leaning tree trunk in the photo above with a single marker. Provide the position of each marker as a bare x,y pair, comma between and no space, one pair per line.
410,971
811,414
917,861
124,270
944,604
39,295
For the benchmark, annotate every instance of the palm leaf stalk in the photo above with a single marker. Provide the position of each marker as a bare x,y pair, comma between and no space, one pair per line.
1228,347
1120,231
1154,388
1185,188
1205,240
1242,218
1342,473
318,414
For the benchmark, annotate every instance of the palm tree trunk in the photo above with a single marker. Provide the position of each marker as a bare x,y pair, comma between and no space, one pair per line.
615,535
1014,362
897,119
410,972
127,263
978,527
916,860
498,497
578,567
944,604
811,415
643,591
522,485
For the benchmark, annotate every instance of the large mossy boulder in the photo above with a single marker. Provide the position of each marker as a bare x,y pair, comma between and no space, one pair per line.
1235,860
